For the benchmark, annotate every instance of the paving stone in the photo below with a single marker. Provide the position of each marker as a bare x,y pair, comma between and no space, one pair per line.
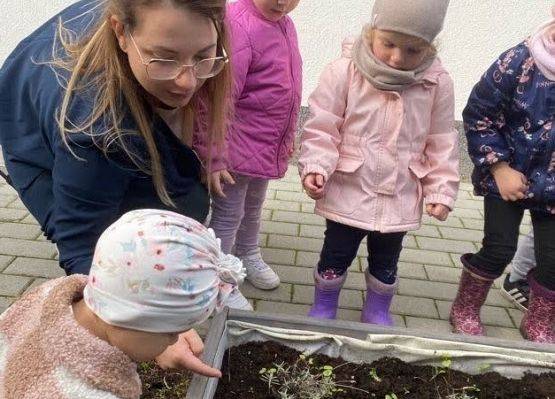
279,185
263,240
503,333
354,315
452,233
299,243
473,224
5,261
426,231
312,231
270,194
285,308
5,200
294,274
13,285
282,205
411,270
463,194
443,274
7,190
18,230
456,260
5,303
469,204
293,196
409,242
349,299
31,249
281,293
452,221
280,228
424,256
17,204
428,325
35,268
516,316
11,215
307,207
29,219
467,213
411,306
36,283
491,315
266,214
439,244
466,187
298,217
427,289
279,256
308,259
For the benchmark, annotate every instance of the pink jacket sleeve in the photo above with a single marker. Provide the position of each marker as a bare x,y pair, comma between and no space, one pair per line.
441,183
321,133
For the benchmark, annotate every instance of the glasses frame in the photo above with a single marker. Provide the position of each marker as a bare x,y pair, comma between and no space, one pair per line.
181,67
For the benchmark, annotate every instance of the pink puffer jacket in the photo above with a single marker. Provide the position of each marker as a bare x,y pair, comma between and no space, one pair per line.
381,152
267,71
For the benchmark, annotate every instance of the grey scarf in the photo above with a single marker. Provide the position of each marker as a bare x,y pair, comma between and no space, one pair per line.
381,75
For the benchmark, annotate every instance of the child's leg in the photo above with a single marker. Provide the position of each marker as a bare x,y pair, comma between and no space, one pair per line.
501,228
341,244
515,286
381,276
227,213
538,322
525,258
246,243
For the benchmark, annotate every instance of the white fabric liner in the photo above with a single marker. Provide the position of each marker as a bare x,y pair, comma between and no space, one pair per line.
467,357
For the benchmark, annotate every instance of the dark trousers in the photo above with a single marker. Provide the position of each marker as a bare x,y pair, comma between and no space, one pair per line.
341,244
501,230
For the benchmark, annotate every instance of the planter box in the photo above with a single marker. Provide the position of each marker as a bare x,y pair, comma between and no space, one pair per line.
357,342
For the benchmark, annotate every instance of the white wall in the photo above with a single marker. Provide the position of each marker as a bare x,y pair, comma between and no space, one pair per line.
476,31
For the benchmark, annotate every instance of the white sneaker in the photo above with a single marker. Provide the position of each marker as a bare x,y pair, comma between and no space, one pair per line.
236,300
259,273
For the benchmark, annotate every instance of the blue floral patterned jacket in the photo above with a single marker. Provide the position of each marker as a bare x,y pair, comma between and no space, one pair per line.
509,117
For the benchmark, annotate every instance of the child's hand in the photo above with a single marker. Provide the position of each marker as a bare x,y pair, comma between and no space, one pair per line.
438,211
313,183
512,184
216,180
184,354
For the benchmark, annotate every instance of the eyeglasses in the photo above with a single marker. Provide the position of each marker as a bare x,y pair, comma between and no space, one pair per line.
161,69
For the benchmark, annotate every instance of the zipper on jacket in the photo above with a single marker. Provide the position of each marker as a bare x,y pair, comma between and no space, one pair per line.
292,81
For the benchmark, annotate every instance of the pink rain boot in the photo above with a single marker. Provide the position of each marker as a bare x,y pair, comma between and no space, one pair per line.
473,290
378,300
326,295
537,323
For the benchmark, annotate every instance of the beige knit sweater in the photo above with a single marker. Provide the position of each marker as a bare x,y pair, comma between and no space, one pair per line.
46,354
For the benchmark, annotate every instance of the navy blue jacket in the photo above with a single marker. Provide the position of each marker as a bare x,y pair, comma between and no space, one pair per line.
509,117
75,200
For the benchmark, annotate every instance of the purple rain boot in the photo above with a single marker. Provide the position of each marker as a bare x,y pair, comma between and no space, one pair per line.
326,295
378,299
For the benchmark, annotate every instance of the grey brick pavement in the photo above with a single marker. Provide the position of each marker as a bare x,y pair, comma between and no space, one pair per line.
291,237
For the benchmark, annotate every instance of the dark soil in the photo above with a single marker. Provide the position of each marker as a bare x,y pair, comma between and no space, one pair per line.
161,384
387,378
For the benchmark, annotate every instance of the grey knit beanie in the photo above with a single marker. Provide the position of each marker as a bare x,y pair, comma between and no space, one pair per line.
420,18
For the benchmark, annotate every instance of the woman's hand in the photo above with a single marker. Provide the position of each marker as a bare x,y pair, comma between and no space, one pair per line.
218,180
438,211
512,184
184,354
314,183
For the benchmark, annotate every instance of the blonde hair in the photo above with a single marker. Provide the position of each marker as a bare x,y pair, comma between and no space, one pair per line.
96,64
404,38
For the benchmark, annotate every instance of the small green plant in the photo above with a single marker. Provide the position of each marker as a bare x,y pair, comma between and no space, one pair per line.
391,396
484,367
465,393
446,363
374,375
302,380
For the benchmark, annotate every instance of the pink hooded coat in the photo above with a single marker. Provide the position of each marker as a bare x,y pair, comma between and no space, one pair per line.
382,153
267,74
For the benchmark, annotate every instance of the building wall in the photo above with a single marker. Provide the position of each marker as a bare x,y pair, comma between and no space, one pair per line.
476,31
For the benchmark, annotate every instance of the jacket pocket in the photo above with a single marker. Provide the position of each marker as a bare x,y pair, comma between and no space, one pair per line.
348,164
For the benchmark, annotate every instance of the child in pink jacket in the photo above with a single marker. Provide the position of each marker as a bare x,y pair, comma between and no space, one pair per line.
380,142
267,70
